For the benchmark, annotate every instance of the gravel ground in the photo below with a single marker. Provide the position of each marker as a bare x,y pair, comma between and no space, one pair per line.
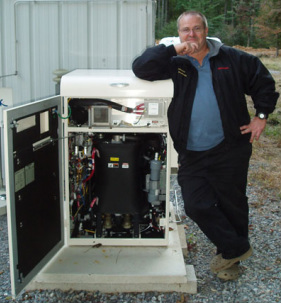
260,280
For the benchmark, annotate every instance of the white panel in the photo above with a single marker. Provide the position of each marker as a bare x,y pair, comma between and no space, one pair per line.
73,34
37,50
39,37
133,13
103,47
44,48
6,101
24,52
102,84
7,41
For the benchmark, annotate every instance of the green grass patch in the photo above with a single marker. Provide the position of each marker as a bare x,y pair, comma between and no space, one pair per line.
272,63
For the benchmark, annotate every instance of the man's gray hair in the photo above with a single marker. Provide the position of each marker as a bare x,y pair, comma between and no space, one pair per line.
193,13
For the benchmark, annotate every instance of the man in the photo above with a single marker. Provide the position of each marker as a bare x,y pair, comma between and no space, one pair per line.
212,131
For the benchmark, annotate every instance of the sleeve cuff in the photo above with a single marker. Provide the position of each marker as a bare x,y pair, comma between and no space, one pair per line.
172,51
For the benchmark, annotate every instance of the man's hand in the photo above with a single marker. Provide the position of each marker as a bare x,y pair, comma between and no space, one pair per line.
186,48
255,127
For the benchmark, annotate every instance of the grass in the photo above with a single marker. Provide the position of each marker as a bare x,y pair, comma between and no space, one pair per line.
272,63
266,156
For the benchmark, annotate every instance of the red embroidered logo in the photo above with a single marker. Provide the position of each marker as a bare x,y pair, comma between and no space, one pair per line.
220,68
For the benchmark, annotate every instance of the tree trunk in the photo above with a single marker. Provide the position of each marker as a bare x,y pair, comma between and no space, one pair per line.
277,44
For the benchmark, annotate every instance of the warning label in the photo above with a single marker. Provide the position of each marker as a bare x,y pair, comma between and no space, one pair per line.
113,165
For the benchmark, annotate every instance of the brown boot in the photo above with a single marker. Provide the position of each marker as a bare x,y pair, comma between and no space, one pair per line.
218,263
231,273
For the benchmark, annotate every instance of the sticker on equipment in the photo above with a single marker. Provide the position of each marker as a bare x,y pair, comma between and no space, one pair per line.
113,165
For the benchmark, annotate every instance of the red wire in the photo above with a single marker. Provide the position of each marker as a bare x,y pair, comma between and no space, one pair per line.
139,109
93,202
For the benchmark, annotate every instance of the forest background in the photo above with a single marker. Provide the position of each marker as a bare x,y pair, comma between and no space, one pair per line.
255,23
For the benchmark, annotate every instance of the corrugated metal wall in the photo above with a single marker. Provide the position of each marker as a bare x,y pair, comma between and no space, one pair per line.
39,37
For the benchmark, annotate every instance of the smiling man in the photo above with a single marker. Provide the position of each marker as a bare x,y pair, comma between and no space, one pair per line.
212,131
193,31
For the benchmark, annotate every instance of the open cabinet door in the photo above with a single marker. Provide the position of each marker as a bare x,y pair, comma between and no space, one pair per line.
34,195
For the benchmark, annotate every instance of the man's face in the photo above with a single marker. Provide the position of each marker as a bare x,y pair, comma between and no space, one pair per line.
191,29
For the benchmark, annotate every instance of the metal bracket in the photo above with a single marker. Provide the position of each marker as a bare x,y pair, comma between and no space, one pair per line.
14,124
42,143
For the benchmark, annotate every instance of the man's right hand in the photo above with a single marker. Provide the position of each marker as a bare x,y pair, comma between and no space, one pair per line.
186,48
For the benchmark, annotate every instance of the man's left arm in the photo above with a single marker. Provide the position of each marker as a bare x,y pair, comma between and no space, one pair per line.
261,87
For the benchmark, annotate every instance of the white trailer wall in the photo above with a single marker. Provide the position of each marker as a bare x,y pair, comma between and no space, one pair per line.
42,36
39,37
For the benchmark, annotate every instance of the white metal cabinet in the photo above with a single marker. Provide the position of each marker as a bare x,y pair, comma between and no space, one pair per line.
147,122
41,214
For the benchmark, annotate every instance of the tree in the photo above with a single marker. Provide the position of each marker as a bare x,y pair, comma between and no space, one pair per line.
269,22
245,14
245,22
214,10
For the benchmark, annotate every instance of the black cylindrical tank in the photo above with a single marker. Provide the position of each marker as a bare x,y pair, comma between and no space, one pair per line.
119,178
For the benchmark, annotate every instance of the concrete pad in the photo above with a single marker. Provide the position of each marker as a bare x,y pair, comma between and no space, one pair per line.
183,240
120,269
